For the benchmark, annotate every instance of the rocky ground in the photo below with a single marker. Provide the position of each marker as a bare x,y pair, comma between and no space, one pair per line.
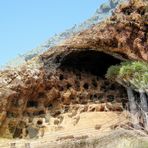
74,127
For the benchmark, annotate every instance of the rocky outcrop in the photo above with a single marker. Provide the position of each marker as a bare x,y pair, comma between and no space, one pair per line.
32,96
123,34
73,74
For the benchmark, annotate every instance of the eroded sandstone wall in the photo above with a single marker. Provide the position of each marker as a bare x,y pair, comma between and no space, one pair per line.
31,96
41,87
125,33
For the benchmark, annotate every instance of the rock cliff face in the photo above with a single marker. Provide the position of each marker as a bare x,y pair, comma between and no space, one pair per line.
124,33
71,76
31,96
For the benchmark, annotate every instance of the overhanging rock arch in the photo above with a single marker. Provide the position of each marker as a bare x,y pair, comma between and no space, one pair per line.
37,87
65,79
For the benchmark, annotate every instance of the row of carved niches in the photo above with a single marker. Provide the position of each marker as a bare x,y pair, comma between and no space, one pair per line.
66,91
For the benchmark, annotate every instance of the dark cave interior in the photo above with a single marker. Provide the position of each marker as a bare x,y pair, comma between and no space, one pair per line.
89,61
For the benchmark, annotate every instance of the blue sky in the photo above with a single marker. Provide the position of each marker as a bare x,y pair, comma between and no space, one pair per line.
25,24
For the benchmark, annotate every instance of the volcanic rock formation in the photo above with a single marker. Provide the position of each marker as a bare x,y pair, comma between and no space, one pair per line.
70,78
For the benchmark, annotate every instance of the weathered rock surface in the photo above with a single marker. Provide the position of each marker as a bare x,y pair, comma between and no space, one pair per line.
125,33
71,76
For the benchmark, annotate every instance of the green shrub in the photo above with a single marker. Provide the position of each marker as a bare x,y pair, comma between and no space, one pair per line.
133,72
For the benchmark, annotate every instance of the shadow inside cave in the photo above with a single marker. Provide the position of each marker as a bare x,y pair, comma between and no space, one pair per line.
91,61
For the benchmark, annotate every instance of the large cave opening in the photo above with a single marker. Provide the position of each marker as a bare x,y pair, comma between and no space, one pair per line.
84,72
78,85
90,61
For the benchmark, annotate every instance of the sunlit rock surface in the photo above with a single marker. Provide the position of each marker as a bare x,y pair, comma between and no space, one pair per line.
63,94
124,33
